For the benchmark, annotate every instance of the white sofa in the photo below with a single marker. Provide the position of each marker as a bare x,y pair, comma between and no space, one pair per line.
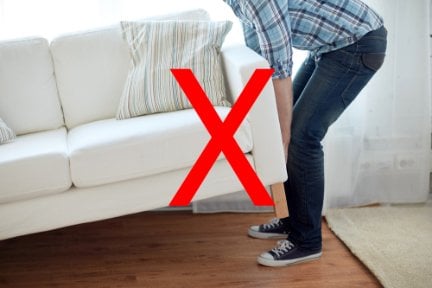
72,162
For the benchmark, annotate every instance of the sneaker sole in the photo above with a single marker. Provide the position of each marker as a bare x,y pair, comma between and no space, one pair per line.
262,235
282,263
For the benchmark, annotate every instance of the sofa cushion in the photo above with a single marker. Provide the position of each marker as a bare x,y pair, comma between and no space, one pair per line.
28,93
91,68
6,133
108,151
157,46
33,165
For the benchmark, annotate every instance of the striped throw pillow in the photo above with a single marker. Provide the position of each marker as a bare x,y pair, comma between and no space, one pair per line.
157,46
6,134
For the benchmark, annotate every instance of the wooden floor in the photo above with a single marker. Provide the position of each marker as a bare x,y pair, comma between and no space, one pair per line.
168,249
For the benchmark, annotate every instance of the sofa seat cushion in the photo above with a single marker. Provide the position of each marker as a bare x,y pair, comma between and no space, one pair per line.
34,165
112,150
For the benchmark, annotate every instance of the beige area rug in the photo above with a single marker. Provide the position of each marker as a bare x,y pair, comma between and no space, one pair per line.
394,242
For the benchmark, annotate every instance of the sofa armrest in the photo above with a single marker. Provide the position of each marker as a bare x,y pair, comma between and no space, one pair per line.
239,63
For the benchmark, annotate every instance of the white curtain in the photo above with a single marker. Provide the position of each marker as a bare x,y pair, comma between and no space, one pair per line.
379,150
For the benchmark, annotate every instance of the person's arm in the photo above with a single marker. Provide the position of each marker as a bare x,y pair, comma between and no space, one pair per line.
284,102
269,34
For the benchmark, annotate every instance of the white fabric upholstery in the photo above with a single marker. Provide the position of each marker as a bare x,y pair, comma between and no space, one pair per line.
91,90
119,167
80,205
108,151
240,63
34,165
28,92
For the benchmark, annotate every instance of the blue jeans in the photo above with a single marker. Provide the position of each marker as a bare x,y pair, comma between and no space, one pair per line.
322,89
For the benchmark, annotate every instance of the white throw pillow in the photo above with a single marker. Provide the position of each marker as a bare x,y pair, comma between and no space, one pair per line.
156,47
6,133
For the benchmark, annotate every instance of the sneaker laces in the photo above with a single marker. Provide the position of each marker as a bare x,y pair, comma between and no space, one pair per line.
283,246
273,223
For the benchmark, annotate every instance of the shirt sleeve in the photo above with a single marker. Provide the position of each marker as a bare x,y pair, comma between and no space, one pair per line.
251,38
269,21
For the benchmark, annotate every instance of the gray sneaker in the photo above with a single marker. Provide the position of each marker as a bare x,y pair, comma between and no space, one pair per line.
274,229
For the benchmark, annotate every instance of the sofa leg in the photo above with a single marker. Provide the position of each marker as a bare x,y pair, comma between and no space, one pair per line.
279,199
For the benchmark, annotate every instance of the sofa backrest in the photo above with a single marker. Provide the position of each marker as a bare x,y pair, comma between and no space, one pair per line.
29,100
91,69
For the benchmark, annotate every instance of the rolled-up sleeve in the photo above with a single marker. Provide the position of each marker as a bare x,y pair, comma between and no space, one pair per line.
269,20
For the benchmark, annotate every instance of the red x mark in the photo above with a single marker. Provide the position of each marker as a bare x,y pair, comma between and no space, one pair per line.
222,137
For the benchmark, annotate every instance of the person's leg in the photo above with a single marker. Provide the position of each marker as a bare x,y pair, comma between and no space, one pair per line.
338,78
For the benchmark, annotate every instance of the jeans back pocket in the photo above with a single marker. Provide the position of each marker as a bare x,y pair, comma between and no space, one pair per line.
373,61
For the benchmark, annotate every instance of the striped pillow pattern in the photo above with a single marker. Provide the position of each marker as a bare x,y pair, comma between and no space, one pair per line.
6,134
157,46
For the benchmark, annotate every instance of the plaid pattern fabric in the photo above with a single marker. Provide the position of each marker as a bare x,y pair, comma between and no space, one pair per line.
273,27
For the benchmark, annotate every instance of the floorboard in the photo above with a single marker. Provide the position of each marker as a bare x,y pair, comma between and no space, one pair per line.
168,249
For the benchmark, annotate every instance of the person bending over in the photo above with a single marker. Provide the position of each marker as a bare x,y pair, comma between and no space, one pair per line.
347,44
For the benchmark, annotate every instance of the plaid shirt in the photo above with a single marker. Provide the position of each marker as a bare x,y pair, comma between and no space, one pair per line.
273,27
